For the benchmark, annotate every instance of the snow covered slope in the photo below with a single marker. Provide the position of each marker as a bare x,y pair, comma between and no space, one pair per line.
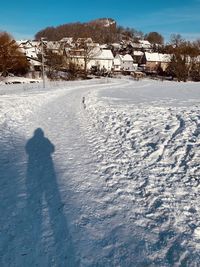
114,181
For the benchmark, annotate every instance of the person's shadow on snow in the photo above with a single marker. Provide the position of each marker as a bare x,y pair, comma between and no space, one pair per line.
48,234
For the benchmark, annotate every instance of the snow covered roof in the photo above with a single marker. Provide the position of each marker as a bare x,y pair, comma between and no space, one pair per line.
95,53
66,40
165,57
126,57
35,62
24,44
157,57
84,40
53,45
152,56
136,45
138,53
104,54
144,42
28,43
103,46
21,42
116,45
36,43
30,52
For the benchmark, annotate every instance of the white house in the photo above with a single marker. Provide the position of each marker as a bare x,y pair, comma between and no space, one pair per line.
146,45
152,61
102,59
54,46
95,57
116,64
30,50
125,62
67,40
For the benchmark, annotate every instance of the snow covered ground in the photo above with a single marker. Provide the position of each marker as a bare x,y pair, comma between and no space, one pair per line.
17,80
114,181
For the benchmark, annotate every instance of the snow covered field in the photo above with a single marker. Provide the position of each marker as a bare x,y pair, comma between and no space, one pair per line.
115,184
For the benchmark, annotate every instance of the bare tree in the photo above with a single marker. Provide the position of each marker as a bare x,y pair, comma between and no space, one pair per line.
54,63
87,51
176,40
88,54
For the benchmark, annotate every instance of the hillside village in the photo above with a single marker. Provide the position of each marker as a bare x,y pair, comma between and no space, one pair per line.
83,53
87,54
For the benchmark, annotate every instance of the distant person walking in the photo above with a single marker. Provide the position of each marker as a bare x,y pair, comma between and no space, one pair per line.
83,102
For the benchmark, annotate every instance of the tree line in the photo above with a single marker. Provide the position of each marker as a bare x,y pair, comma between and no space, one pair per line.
185,60
100,33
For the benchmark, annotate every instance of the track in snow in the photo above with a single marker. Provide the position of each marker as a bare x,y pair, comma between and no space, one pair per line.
120,188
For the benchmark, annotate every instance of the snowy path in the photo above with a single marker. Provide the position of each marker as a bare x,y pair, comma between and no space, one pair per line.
121,188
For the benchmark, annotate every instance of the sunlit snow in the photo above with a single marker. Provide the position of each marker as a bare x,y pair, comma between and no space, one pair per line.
113,181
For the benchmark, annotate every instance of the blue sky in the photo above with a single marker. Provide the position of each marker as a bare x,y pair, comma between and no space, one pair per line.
23,18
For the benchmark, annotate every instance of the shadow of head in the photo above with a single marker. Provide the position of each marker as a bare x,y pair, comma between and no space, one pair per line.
39,133
39,147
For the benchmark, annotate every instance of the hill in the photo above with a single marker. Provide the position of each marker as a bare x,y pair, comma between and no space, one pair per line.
102,30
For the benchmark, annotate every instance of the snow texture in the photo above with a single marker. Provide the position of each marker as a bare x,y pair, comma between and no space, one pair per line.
100,173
